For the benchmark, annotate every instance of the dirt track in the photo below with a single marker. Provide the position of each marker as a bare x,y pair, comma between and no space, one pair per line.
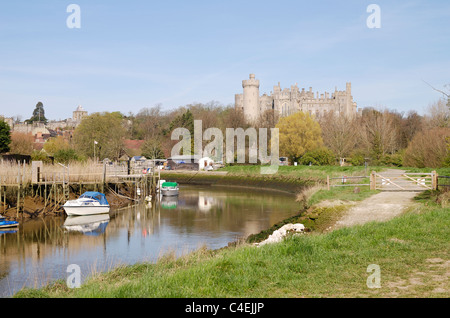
379,207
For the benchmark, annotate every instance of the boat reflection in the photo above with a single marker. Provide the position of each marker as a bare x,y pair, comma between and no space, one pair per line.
92,225
169,202
8,231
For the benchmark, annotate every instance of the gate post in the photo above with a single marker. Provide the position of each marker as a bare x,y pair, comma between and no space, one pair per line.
434,180
373,181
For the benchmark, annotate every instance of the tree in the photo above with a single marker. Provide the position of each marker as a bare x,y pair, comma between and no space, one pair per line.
378,133
152,149
298,133
439,114
38,114
21,143
5,136
428,148
53,145
102,133
339,133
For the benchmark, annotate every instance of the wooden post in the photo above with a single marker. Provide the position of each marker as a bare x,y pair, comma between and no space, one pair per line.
434,180
328,183
373,181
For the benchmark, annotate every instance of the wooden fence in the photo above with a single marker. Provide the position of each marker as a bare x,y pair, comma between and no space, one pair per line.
443,182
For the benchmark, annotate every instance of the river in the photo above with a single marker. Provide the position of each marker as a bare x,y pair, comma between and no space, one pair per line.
41,250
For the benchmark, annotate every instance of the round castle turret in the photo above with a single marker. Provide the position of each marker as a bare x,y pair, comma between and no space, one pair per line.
251,98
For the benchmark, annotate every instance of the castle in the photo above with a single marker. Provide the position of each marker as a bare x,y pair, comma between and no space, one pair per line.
289,101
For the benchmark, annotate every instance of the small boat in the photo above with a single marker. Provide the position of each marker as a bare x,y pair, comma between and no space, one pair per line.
169,189
88,203
7,224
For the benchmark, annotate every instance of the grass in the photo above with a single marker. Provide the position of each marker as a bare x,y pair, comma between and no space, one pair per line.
411,250
318,172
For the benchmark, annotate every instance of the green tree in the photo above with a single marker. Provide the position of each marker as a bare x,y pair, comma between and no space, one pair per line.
66,155
152,149
299,133
5,136
38,114
102,134
53,145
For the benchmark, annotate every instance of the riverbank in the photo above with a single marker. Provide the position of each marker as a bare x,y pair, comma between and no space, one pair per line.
35,205
410,250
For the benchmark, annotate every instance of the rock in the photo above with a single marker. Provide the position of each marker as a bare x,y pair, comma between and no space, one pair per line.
279,235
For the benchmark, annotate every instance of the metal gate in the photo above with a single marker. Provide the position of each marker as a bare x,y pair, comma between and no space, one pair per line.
403,181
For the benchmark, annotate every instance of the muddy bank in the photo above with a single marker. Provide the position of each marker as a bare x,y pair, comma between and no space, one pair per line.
35,205
272,182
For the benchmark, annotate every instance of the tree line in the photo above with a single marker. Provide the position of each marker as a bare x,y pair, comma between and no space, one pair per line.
376,136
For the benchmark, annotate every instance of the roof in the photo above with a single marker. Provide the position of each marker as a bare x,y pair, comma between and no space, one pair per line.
96,196
133,144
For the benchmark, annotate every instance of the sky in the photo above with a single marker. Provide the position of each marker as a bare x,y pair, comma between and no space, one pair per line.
128,55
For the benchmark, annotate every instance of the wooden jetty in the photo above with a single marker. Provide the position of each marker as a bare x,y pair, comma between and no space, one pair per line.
54,183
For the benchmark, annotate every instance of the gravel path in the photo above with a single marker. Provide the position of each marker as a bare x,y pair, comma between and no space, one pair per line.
379,207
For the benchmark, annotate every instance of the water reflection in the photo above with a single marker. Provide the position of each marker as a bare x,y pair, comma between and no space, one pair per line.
88,224
43,248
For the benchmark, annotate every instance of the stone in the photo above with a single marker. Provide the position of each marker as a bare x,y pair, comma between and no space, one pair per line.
280,234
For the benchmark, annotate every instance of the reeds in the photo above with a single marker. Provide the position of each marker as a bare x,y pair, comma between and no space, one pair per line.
13,173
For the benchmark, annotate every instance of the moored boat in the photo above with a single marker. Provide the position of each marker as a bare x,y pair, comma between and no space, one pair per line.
7,224
169,189
88,203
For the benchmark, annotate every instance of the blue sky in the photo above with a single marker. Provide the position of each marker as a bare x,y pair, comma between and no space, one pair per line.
128,55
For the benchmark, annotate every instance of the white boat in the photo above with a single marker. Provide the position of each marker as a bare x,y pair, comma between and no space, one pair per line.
88,203
169,189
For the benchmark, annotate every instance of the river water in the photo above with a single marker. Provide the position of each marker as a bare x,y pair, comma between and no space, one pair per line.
41,250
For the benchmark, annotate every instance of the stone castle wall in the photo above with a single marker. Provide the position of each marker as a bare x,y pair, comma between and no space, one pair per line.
287,101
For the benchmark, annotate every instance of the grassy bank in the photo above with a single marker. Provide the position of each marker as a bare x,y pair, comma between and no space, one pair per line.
411,251
287,178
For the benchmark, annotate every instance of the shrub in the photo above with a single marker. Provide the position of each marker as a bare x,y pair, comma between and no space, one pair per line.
318,157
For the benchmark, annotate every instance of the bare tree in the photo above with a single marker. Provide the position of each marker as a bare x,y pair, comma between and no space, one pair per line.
378,133
339,133
439,114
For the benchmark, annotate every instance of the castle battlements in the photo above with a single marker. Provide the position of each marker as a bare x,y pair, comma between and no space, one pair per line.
288,101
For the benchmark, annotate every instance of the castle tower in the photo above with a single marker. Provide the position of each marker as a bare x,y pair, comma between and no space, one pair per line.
251,98
79,113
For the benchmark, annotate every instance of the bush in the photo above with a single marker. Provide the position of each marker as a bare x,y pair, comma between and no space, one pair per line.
40,156
66,155
392,160
428,148
357,158
318,157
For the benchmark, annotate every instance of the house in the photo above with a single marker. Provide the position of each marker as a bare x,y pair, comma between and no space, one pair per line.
183,162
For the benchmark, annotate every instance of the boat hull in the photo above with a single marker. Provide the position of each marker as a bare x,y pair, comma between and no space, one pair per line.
8,224
169,192
86,210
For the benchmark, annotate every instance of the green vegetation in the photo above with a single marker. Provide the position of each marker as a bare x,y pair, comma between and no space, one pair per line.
5,136
38,114
302,171
411,251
